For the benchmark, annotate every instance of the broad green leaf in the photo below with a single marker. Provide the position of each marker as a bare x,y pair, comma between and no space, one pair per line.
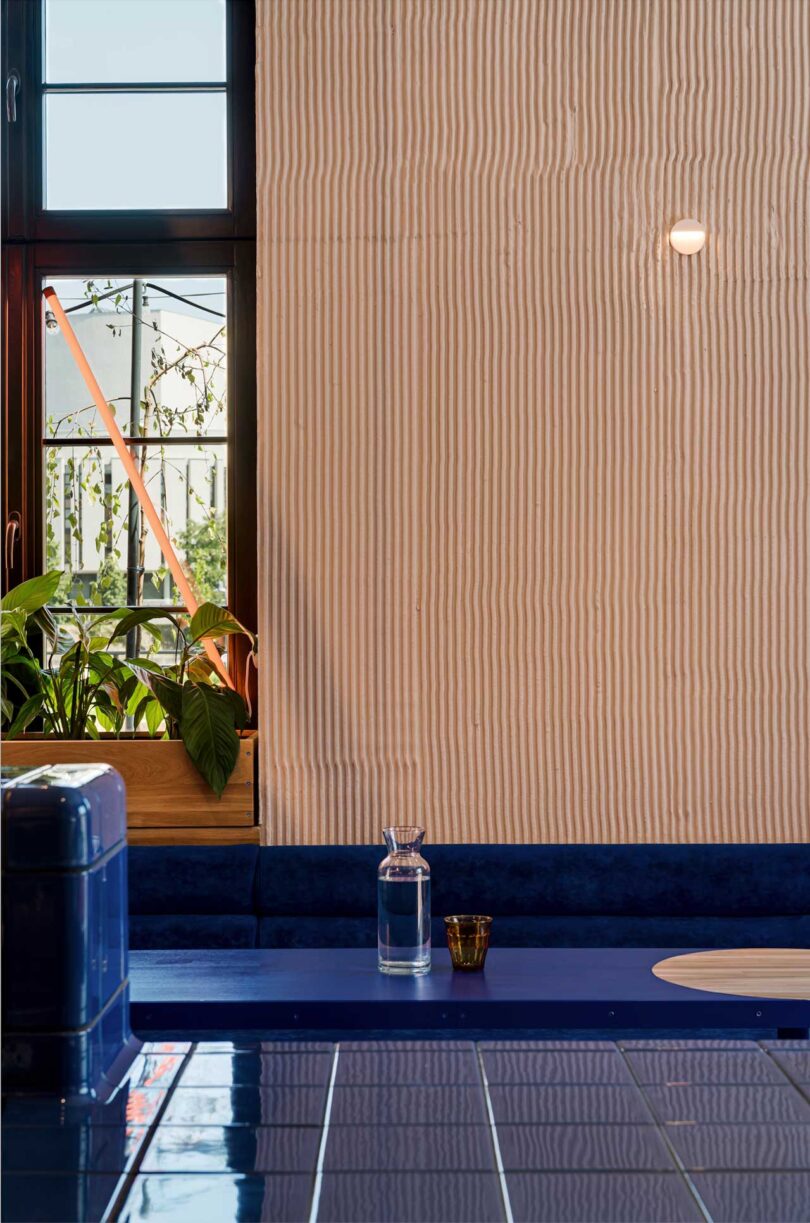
101,665
154,717
45,621
146,664
207,729
31,595
238,705
12,624
201,669
25,715
145,671
137,711
137,696
211,621
170,695
105,720
138,616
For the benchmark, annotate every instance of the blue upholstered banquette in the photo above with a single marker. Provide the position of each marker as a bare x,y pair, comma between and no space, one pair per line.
540,895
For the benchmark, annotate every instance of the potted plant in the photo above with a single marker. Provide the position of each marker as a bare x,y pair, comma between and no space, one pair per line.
176,731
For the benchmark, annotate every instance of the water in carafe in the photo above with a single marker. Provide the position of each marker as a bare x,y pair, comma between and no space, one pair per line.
403,904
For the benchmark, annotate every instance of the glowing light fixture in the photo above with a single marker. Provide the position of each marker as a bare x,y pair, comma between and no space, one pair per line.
687,237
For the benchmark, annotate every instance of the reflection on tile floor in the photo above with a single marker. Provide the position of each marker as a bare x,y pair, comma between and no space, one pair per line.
586,1132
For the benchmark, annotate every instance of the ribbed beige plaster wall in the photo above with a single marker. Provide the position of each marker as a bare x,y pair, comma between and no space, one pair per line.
534,521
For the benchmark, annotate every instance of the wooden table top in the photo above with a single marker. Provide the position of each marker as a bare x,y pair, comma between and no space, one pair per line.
755,972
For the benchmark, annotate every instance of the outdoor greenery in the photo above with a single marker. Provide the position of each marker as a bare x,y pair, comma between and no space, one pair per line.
205,547
86,687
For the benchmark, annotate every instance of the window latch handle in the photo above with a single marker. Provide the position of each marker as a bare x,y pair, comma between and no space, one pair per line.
13,533
12,89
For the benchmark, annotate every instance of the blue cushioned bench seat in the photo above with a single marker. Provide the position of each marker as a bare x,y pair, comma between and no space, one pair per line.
244,896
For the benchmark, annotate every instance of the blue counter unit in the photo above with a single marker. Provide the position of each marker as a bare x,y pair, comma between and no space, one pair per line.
65,988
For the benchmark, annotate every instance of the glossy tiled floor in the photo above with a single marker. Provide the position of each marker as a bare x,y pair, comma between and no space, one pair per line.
586,1131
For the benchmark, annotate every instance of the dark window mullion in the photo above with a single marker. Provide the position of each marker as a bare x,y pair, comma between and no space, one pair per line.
216,439
135,87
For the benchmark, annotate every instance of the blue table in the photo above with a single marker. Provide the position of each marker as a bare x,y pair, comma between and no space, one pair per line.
604,988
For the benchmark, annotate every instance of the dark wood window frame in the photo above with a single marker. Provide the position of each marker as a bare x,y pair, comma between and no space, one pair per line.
39,243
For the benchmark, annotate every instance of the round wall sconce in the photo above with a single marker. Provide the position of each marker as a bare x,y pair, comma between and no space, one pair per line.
687,237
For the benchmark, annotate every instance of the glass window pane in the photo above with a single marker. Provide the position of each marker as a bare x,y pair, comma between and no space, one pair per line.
183,357
136,151
134,40
182,395
86,517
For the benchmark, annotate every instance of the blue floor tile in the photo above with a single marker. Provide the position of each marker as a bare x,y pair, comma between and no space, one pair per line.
79,1148
434,1197
552,1066
755,1197
258,1069
263,1046
405,1046
57,1197
154,1070
540,1148
688,1043
609,1197
218,1199
403,1148
704,1066
742,1146
166,1046
544,1045
727,1102
408,1106
426,1066
236,1148
598,1104
245,1106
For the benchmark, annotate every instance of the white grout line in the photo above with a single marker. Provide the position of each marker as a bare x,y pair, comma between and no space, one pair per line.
680,1166
316,1190
496,1146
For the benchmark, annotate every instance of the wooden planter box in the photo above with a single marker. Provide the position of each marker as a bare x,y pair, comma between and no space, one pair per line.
167,800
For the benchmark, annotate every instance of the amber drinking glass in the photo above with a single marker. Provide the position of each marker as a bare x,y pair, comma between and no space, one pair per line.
468,940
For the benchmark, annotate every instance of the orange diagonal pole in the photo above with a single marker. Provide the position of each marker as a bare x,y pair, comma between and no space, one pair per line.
135,477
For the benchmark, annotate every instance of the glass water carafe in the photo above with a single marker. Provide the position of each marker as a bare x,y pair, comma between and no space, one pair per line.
403,904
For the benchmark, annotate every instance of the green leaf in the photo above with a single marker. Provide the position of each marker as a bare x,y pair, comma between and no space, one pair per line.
12,624
138,695
101,665
25,715
139,615
154,717
211,621
137,711
31,595
201,669
170,695
207,729
45,621
238,705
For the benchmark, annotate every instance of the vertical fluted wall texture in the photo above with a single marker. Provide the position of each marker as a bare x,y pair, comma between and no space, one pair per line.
534,523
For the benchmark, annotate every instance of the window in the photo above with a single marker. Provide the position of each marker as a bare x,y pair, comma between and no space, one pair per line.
130,188
135,105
